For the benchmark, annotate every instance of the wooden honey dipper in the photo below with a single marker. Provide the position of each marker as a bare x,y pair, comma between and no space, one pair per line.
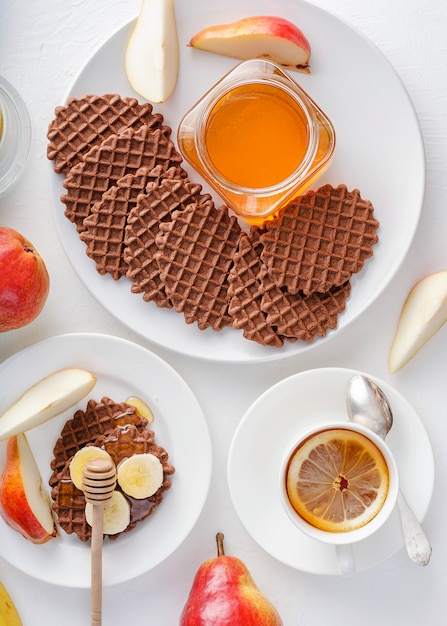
98,481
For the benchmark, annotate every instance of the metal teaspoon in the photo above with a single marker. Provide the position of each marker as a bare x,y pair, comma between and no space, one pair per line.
367,405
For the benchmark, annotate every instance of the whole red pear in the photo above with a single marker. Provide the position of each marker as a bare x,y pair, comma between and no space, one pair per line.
24,280
223,593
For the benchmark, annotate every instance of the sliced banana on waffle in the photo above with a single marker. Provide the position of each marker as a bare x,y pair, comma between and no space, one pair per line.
140,475
142,408
79,460
116,514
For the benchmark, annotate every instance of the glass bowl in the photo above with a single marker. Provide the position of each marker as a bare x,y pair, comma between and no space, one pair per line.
15,135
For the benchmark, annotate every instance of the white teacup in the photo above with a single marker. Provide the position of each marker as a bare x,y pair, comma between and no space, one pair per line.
341,539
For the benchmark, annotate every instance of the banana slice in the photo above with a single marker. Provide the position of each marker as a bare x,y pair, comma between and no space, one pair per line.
80,459
116,514
142,408
140,475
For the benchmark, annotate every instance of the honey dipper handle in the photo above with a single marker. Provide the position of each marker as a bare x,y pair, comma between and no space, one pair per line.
96,565
98,481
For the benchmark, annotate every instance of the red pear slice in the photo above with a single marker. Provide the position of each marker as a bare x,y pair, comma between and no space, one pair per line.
264,36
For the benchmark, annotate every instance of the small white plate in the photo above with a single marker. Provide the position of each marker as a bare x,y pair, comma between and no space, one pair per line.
267,431
379,150
122,369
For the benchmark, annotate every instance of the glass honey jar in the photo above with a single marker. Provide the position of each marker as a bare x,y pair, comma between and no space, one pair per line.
257,139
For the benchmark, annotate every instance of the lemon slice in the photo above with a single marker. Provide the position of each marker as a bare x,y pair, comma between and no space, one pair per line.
337,480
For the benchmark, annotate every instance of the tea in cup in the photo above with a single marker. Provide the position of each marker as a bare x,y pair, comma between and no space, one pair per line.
339,485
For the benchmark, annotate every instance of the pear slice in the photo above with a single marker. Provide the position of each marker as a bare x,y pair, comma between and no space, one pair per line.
46,399
260,36
422,315
24,502
152,52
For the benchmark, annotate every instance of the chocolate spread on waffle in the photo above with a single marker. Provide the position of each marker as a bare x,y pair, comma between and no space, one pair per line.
118,429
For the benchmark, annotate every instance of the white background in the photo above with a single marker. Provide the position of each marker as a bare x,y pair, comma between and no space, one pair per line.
43,45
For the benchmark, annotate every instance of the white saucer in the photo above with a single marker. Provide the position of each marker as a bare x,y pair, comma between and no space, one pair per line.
267,431
122,369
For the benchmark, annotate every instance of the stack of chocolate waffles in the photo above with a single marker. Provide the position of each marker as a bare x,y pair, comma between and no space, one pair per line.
143,220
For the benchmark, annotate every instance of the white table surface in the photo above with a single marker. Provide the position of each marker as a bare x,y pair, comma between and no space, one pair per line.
43,45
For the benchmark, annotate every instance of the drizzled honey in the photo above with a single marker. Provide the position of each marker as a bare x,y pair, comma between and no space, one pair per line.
257,138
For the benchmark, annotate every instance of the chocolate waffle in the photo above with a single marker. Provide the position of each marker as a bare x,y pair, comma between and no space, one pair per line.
301,317
319,240
195,254
85,122
116,156
86,425
289,284
120,442
155,206
104,228
245,293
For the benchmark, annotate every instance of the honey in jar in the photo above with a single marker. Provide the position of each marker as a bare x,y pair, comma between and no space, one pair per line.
257,139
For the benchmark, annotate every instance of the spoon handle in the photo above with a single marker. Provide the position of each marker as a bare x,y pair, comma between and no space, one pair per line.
416,542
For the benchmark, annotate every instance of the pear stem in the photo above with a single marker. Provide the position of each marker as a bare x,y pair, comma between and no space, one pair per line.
220,544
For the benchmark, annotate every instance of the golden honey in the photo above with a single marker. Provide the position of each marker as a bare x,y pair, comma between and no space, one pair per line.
257,138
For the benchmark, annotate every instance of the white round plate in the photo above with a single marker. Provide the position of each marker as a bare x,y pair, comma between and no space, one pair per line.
266,432
379,151
122,369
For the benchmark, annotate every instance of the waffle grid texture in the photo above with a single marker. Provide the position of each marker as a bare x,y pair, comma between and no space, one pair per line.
144,221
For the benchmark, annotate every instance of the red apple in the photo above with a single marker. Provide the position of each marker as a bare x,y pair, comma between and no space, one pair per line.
24,280
24,503
262,36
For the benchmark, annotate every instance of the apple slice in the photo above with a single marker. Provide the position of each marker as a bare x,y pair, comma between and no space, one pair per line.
24,504
46,399
265,36
423,314
152,52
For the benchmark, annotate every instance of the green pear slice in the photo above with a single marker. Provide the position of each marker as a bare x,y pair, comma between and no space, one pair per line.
422,315
49,397
152,52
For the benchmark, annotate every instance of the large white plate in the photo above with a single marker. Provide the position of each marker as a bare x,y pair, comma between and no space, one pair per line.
379,150
122,369
266,432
